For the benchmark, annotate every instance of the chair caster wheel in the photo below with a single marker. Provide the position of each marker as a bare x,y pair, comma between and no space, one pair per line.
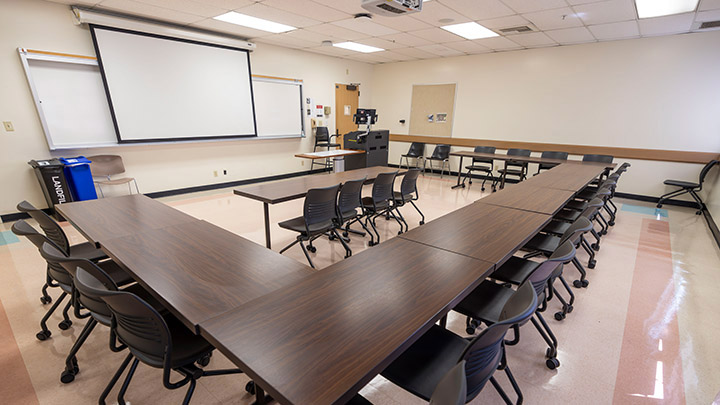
577,284
371,243
595,247
696,213
569,309
659,205
43,335
65,325
470,330
482,188
422,222
585,283
67,377
550,353
204,360
312,249
559,316
612,223
591,264
604,232
250,387
345,234
45,300
553,363
331,237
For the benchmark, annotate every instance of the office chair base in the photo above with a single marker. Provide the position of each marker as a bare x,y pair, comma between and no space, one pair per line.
65,325
46,298
581,283
553,363
68,376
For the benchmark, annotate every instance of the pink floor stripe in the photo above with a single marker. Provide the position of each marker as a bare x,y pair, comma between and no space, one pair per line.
650,369
15,384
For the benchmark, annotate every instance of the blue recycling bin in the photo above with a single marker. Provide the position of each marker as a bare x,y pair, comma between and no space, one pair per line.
79,177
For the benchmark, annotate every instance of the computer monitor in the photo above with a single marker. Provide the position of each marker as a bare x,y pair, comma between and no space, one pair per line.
365,116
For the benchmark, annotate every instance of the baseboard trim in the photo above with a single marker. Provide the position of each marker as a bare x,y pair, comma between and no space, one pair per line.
650,199
16,216
712,225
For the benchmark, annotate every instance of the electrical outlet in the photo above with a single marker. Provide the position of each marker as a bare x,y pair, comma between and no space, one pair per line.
302,162
215,173
224,172
8,126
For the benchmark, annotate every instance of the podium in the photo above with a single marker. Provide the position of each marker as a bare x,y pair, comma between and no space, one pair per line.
375,144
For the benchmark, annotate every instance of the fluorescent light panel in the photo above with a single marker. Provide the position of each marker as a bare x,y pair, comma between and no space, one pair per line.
658,8
471,30
254,22
354,46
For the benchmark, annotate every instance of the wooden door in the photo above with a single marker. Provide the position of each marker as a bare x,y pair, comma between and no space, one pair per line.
345,95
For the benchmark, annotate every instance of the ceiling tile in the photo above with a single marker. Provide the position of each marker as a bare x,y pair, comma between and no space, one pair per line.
308,9
234,29
530,6
404,23
287,41
479,9
365,26
338,32
709,5
498,43
626,29
380,43
568,36
436,35
187,6
229,4
606,11
397,56
710,15
504,22
469,47
330,50
406,39
347,6
147,10
77,3
554,19
533,40
415,53
440,50
672,24
433,12
576,2
273,14
314,37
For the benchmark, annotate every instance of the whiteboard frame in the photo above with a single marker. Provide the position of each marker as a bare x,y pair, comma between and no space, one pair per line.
296,82
29,54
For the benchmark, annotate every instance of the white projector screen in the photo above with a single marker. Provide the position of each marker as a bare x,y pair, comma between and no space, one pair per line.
164,89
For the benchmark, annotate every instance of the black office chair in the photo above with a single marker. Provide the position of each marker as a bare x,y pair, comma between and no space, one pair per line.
485,302
687,187
160,341
416,151
55,233
422,366
408,194
441,154
319,215
107,273
380,203
551,155
513,167
483,165
559,226
349,202
323,139
598,158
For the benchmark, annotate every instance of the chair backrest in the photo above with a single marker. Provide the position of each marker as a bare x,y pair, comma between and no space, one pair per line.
577,228
518,152
417,149
350,197
483,149
70,264
408,186
548,154
441,152
485,351
452,388
106,165
51,228
55,271
320,205
539,277
134,322
592,208
598,158
705,170
322,134
382,190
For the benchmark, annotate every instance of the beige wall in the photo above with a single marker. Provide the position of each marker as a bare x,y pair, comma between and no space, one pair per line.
48,26
656,93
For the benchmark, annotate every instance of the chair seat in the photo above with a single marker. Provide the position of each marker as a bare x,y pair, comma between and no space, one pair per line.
587,194
187,347
104,317
486,302
367,203
298,225
327,145
421,367
516,270
576,205
543,242
512,171
118,275
397,196
411,155
115,182
350,214
479,167
567,215
556,227
88,251
436,158
680,183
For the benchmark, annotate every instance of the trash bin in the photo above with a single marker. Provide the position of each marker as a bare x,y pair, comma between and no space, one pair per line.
52,180
79,178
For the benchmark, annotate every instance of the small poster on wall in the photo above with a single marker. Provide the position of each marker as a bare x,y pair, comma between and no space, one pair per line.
441,118
431,118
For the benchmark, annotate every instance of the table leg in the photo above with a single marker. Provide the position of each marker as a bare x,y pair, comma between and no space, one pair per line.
260,397
266,208
502,182
459,175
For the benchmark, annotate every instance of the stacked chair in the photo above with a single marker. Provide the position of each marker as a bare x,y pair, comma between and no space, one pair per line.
550,155
441,154
518,169
483,165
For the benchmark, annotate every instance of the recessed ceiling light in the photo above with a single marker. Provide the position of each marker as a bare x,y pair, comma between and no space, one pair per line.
254,22
354,46
657,8
471,30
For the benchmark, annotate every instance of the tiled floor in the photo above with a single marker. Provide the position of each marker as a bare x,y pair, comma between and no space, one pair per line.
643,332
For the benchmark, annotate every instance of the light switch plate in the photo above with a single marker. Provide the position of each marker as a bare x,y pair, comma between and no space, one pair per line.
8,126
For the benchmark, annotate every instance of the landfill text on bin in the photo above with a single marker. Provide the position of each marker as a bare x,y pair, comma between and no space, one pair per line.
58,189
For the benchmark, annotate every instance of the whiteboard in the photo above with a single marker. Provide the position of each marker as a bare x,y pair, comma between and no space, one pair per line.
72,104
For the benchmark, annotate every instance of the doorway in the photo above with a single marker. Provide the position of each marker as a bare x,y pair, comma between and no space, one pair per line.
346,102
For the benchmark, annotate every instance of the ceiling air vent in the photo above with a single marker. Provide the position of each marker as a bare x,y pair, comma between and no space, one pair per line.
516,30
709,24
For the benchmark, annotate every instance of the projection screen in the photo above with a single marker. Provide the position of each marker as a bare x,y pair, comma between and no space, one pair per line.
167,89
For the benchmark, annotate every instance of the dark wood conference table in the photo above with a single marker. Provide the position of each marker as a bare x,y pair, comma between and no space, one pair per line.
107,218
530,198
320,340
569,177
274,192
